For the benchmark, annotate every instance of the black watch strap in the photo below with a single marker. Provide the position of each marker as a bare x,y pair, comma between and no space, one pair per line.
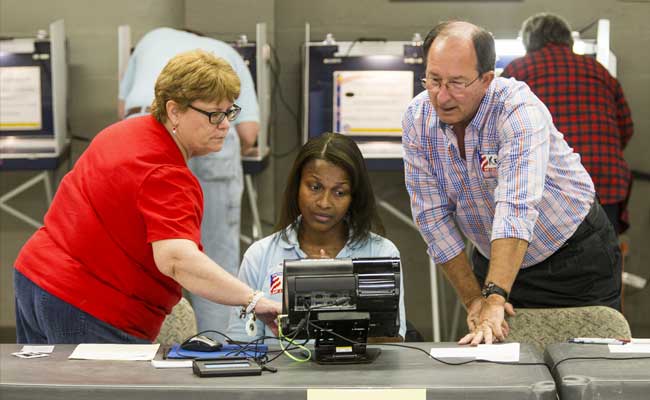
492,288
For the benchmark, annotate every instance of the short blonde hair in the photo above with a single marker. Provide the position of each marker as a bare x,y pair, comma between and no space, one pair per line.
194,75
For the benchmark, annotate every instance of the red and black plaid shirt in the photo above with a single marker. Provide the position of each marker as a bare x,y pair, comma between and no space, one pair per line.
588,107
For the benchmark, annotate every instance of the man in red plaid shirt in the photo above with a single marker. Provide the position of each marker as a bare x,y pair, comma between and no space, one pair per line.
587,105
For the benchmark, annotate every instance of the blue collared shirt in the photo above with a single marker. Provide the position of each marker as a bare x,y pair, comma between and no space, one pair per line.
262,267
520,180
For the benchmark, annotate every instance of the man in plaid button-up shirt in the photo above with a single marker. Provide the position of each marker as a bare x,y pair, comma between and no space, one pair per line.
482,157
587,105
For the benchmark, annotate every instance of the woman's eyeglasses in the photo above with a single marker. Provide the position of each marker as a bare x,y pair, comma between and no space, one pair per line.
217,117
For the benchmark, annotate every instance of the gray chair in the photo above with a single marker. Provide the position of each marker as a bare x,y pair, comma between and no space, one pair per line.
543,326
179,324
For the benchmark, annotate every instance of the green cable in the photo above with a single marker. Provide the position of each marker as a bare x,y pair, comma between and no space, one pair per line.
284,350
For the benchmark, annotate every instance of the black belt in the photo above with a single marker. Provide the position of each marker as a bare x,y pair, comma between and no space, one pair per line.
137,110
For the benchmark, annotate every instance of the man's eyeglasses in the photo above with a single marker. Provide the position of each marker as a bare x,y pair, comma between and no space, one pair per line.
453,87
217,117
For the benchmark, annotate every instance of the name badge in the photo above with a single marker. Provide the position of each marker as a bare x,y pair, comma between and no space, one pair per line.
488,162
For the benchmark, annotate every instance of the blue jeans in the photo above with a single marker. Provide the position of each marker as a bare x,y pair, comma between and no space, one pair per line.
44,318
220,176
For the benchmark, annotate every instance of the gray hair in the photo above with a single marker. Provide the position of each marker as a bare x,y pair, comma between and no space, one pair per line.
544,28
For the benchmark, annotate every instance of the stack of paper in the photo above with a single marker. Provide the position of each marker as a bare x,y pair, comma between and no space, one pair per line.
119,352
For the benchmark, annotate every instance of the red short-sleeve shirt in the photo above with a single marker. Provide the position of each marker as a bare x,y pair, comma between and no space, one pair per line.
131,187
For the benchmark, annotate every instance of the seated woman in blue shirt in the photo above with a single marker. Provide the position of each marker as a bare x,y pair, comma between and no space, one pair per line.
328,212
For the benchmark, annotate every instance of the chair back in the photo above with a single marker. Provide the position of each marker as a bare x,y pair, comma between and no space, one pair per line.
543,326
179,324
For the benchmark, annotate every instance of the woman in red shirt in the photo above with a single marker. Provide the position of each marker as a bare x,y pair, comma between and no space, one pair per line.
122,235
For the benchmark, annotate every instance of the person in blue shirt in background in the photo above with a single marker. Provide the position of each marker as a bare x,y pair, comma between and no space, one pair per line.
328,211
220,174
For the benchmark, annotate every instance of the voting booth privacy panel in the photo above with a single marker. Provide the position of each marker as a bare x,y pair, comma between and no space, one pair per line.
361,89
33,96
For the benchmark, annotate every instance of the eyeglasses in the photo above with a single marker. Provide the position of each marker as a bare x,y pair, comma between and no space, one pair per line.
217,117
453,87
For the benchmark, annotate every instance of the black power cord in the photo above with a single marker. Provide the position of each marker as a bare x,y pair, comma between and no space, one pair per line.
427,353
554,367
276,68
248,347
342,300
305,323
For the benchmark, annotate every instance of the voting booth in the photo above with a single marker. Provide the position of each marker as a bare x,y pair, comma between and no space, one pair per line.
361,88
33,95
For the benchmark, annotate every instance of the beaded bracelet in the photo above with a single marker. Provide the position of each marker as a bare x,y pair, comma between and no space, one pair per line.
255,297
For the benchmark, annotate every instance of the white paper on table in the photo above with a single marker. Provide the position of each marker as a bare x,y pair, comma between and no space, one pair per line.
503,352
37,349
639,341
172,363
507,352
454,352
21,354
629,348
118,352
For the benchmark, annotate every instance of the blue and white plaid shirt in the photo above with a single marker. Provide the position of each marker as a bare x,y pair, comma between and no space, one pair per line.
521,179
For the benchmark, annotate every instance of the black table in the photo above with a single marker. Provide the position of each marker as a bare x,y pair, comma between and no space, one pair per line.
56,377
592,378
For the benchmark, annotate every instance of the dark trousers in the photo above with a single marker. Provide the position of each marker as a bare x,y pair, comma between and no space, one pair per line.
585,271
613,214
43,318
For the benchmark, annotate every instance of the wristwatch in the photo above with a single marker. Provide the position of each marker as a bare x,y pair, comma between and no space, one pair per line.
492,288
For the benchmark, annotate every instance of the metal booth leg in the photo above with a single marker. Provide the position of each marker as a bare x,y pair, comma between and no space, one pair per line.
47,182
252,200
435,305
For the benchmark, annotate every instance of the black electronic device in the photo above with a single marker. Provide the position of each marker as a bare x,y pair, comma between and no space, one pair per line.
340,303
201,343
241,366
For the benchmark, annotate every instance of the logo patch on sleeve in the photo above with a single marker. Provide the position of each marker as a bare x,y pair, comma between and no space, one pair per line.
275,286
